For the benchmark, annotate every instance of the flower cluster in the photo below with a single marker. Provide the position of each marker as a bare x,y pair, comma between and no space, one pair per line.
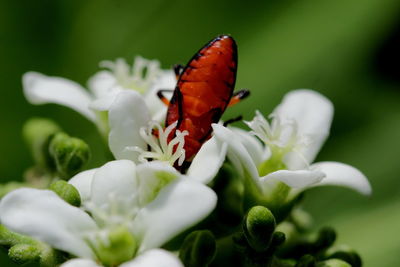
149,205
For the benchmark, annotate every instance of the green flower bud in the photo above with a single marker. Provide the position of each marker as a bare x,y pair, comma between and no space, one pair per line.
334,263
258,227
198,249
37,133
67,192
326,237
306,261
24,253
346,254
69,154
121,246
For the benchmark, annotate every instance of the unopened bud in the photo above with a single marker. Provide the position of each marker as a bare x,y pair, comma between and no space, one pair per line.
37,132
258,227
346,254
306,261
69,154
198,249
335,263
67,192
24,253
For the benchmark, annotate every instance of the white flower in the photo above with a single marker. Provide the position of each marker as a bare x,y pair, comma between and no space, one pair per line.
150,202
145,77
291,141
131,135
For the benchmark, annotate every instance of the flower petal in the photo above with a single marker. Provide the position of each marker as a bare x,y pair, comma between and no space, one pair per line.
83,183
178,206
313,113
153,176
127,115
157,108
41,89
208,161
341,174
153,258
237,153
101,83
114,179
253,146
43,215
295,179
80,263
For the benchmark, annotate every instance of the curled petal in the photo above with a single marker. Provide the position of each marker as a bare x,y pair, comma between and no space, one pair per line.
127,115
341,174
43,215
237,153
41,89
295,179
207,161
313,115
83,183
178,206
153,258
257,152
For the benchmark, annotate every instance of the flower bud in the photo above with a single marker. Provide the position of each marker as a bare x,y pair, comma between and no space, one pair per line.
306,261
37,133
67,192
24,253
198,249
69,154
258,227
119,247
335,263
346,254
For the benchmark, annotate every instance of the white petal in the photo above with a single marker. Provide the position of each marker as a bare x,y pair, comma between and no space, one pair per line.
154,258
178,206
237,153
313,113
41,89
207,161
343,175
157,108
43,215
127,115
83,183
101,83
295,179
253,146
152,177
114,179
80,263
104,103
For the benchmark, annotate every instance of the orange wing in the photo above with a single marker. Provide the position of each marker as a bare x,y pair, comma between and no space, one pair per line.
203,91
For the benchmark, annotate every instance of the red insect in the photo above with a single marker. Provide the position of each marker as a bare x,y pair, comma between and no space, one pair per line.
203,91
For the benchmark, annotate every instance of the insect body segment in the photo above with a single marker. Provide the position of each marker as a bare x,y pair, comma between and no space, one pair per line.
203,92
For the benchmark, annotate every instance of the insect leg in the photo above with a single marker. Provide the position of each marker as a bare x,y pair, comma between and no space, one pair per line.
237,96
238,118
162,97
178,68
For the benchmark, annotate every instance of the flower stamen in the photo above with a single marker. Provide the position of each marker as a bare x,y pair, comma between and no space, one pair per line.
160,148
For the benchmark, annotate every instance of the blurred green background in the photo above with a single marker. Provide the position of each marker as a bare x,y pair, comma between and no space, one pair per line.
345,49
